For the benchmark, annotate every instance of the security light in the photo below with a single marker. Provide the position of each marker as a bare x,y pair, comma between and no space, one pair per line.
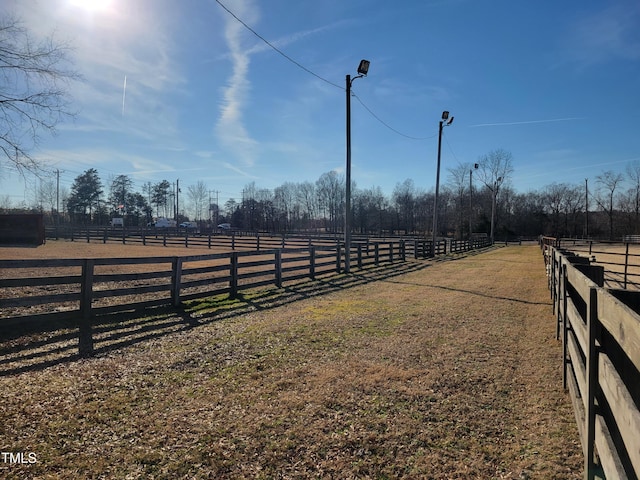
445,115
363,68
450,121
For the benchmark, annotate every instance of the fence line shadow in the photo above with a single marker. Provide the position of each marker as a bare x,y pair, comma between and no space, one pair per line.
38,345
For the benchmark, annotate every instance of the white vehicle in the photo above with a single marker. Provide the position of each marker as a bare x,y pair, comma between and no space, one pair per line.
116,222
164,223
189,225
224,226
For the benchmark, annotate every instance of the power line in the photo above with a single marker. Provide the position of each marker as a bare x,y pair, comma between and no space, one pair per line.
299,65
451,149
388,126
276,48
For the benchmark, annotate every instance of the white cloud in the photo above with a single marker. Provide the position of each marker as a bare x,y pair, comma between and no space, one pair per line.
230,128
613,33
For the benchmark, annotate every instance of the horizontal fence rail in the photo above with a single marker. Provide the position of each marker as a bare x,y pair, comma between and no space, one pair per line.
239,240
600,332
80,289
620,259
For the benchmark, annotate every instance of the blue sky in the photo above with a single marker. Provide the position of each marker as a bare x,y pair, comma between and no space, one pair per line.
557,84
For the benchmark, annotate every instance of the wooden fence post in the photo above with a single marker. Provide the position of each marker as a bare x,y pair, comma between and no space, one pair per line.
176,279
233,240
104,237
562,320
376,253
592,385
312,262
233,280
85,338
360,255
391,252
626,263
338,257
403,253
278,261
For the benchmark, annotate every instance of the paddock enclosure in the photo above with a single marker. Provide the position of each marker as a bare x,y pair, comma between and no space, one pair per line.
599,326
437,368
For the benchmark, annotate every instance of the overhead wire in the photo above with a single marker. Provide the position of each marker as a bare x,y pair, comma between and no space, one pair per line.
299,65
276,48
388,126
450,149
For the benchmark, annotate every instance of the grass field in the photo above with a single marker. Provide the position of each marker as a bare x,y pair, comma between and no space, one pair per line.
443,369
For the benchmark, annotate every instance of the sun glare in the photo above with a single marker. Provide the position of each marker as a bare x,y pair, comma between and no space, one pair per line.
91,5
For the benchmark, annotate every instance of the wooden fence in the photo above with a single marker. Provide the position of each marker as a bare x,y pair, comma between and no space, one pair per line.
237,240
621,260
600,333
80,289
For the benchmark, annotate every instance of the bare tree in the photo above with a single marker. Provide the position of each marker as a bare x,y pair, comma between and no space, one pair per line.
458,180
284,202
330,191
608,182
308,200
494,169
199,196
404,201
33,97
48,195
633,172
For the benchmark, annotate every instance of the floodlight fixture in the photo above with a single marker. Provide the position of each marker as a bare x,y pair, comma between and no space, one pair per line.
445,115
450,121
363,68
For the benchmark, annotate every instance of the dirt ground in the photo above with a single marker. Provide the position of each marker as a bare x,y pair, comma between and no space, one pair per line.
441,370
81,249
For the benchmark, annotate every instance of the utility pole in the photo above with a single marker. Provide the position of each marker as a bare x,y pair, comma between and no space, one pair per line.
177,198
445,118
475,165
363,69
57,196
586,207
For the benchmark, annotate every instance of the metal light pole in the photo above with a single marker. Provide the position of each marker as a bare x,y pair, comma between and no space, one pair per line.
445,118
496,186
475,166
363,68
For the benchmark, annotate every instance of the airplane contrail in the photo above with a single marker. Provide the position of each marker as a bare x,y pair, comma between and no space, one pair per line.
124,93
528,122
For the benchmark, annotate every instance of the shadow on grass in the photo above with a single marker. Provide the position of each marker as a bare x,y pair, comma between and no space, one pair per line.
37,345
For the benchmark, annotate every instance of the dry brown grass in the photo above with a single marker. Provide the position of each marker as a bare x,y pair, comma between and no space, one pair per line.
448,371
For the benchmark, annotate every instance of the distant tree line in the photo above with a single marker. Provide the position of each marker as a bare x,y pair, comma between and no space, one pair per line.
607,207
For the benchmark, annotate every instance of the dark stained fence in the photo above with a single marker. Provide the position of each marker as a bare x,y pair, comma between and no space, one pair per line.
22,229
83,288
600,332
79,289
